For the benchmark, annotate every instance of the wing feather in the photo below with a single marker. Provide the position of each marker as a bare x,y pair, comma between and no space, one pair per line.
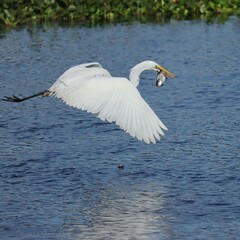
112,99
76,76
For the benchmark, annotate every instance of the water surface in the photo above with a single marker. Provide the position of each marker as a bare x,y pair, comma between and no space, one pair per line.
59,176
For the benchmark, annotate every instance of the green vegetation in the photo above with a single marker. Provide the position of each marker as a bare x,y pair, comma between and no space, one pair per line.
17,12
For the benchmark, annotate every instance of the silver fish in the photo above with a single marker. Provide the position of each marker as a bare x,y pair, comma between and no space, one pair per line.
161,77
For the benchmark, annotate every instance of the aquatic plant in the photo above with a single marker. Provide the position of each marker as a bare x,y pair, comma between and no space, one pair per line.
17,12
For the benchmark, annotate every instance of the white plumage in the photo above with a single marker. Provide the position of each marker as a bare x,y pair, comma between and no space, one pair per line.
91,88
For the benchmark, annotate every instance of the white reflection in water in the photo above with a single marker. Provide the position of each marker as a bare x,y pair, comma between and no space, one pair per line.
121,214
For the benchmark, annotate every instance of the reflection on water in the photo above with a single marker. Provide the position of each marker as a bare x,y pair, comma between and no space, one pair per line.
120,213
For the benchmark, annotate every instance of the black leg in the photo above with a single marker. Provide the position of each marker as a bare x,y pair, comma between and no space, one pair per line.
17,99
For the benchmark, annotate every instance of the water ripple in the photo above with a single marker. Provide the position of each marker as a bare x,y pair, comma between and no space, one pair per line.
59,175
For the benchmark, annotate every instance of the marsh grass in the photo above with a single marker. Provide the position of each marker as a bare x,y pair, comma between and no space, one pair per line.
18,12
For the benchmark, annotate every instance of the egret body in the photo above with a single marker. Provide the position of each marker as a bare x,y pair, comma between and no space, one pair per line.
91,88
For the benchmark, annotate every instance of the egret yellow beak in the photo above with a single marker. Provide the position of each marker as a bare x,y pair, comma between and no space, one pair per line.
165,70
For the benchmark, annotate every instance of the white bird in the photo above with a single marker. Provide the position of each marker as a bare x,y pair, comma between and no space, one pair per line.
90,87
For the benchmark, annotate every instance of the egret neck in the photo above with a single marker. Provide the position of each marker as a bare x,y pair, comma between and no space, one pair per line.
135,72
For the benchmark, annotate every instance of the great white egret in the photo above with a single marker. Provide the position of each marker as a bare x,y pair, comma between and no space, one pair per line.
90,87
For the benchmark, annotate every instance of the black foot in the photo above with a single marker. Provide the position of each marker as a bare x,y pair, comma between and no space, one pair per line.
12,99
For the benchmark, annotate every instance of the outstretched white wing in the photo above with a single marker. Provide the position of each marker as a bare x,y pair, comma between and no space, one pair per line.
112,99
77,75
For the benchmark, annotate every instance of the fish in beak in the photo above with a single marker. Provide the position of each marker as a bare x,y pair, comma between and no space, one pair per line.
162,75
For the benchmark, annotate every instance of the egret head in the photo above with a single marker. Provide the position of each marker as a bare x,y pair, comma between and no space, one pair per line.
149,65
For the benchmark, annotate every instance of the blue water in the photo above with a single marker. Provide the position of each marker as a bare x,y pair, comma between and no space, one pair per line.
59,176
